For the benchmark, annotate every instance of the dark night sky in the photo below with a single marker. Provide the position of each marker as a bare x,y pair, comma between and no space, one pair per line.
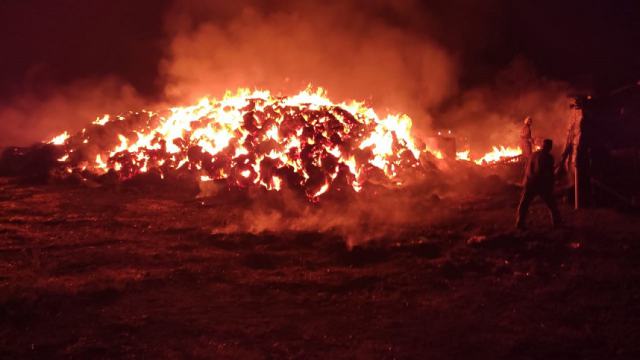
53,42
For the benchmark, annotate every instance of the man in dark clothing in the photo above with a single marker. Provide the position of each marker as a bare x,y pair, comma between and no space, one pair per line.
539,181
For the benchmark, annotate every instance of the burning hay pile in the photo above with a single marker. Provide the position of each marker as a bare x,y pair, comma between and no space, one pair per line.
248,139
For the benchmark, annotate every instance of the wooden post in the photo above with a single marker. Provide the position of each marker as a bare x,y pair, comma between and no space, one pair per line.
576,188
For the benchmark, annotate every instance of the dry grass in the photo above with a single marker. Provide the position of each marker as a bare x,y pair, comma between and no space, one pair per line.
98,273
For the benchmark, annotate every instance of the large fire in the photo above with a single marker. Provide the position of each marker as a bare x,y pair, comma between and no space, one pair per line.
253,138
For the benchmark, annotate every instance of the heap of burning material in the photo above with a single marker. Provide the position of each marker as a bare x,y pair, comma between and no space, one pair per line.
251,138
248,139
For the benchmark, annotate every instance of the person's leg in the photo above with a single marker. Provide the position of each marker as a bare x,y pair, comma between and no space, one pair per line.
523,207
550,200
525,146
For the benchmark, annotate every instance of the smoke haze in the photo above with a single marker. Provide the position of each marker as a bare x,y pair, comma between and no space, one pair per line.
30,118
492,114
377,51
353,54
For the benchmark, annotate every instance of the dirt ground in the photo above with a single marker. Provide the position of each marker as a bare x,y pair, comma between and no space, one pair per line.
94,273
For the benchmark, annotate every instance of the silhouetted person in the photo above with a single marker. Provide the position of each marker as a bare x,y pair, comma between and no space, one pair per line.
539,179
526,140
576,157
567,166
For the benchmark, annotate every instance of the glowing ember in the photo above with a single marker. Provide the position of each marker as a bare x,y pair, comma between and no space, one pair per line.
252,138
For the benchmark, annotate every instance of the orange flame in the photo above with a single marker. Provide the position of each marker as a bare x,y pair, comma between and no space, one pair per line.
60,139
499,153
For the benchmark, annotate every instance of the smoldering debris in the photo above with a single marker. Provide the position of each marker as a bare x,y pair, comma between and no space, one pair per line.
29,164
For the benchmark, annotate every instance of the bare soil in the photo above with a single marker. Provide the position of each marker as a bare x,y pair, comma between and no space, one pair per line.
98,273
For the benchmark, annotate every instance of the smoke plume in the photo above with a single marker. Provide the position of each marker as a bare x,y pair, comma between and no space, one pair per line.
351,48
371,50
492,114
30,118
357,218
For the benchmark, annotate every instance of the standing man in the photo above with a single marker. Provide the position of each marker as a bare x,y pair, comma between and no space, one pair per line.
539,179
526,140
567,167
578,151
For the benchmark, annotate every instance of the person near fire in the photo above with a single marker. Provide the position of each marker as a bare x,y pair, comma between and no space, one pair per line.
566,167
539,181
526,140
575,161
